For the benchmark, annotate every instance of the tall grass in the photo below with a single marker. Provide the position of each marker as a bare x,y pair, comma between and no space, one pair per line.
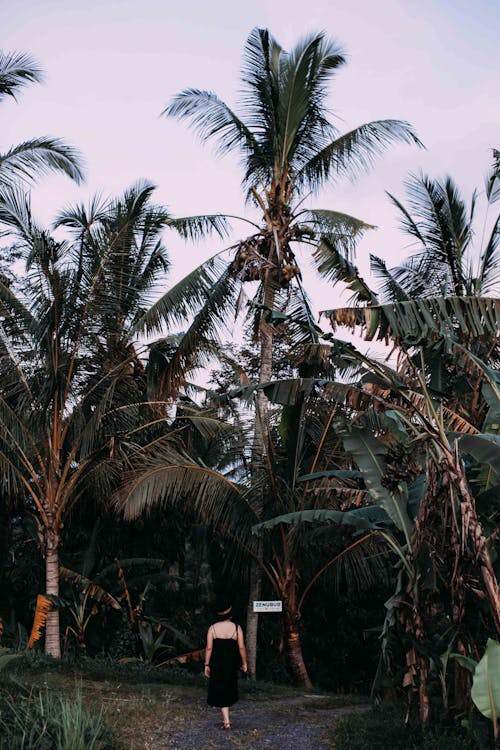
41,720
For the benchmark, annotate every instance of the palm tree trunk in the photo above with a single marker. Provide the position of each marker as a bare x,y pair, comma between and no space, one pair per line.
254,594
52,635
258,456
4,545
293,649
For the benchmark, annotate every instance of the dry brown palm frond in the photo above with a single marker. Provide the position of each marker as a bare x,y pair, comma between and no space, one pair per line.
126,594
43,605
184,658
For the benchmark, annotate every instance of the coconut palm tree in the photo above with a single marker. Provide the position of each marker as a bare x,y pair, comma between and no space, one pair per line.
289,150
28,160
72,398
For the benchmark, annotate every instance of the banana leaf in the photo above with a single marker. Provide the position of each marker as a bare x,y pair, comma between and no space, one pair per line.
369,454
421,320
486,682
362,519
484,448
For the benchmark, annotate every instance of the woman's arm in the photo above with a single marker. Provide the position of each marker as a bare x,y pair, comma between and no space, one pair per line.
243,651
208,651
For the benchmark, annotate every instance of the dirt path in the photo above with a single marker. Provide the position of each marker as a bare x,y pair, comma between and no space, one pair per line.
278,724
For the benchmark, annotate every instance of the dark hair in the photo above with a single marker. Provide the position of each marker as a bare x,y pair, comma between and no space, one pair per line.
223,608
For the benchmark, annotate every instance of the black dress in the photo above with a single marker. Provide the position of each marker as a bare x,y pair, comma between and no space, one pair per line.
225,662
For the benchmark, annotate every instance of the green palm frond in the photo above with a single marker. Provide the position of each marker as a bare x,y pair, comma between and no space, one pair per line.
438,219
177,305
170,479
353,152
17,319
488,281
17,69
15,213
391,287
303,75
332,263
212,118
40,156
301,323
335,224
199,227
197,342
493,179
81,218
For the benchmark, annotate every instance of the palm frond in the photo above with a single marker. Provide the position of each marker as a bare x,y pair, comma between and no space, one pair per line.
198,227
301,323
438,219
40,156
303,75
179,303
335,223
197,342
392,290
493,179
354,152
212,118
170,479
15,213
332,263
17,69
43,607
81,218
488,279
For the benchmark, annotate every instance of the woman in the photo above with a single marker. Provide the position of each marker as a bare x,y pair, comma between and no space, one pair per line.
225,654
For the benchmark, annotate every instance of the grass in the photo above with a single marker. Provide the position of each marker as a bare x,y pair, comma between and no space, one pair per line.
32,719
138,702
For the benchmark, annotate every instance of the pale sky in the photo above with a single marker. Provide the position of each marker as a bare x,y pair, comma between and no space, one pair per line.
111,67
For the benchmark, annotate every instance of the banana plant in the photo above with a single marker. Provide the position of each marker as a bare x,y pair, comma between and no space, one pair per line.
86,599
448,543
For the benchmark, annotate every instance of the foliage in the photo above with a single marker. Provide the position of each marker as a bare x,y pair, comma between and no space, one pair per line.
289,149
486,684
28,160
384,727
41,720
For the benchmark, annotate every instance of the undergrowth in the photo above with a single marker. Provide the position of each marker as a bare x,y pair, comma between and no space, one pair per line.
384,727
33,719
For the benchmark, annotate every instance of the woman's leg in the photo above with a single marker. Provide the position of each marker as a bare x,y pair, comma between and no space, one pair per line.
225,717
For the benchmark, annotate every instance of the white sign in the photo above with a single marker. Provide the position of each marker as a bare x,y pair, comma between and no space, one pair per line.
276,606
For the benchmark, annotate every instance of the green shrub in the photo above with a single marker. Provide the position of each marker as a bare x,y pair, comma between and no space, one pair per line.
383,728
41,720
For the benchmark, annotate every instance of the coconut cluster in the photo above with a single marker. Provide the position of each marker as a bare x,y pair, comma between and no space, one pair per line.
249,264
